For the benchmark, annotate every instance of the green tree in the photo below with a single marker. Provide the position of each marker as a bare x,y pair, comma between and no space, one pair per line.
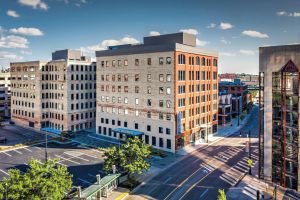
41,181
222,195
130,157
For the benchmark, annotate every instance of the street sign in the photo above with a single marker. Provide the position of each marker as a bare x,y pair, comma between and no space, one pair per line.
250,162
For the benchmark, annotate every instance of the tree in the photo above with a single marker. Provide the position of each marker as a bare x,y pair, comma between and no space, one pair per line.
222,195
130,157
41,181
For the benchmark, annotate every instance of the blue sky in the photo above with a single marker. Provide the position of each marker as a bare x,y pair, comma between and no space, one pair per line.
32,29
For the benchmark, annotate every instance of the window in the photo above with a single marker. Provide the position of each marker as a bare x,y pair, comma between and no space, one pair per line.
137,77
119,63
168,90
136,101
126,77
136,89
197,60
160,129
148,128
136,113
125,124
149,90
136,126
153,141
181,89
181,59
161,116
168,103
147,139
149,114
203,61
161,77
161,60
168,143
126,100
136,62
161,142
168,131
149,61
181,75
113,63
168,60
149,102
149,77
215,62
181,102
215,75
161,103
125,62
161,90
168,77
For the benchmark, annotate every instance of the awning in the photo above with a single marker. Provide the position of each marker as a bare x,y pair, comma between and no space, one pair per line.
51,130
128,131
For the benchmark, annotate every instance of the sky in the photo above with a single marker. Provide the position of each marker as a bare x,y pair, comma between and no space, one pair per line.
33,29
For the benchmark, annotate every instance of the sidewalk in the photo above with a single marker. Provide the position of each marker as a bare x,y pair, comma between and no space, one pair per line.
223,131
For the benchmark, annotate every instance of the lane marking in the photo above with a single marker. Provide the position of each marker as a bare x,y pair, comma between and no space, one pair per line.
85,181
27,149
91,175
203,193
39,148
6,153
4,172
17,151
90,155
167,180
67,159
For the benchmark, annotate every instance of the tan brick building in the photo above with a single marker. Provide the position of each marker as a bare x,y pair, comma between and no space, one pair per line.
4,94
165,91
56,95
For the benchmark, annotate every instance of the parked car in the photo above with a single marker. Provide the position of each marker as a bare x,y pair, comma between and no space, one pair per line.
3,139
11,122
68,134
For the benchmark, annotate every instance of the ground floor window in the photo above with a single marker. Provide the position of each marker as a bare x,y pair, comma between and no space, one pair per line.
168,143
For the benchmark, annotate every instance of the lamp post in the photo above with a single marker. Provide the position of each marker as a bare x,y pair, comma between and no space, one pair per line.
250,160
46,152
238,111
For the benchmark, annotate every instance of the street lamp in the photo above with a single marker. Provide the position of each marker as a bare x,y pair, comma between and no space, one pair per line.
238,111
46,152
250,160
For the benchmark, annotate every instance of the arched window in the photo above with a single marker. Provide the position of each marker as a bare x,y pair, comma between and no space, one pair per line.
181,59
203,61
197,60
191,60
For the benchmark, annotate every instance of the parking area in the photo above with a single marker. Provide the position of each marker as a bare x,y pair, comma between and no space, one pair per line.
17,135
83,162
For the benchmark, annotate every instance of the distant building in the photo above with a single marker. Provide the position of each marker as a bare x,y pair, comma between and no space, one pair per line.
56,95
279,133
237,89
225,108
5,94
165,91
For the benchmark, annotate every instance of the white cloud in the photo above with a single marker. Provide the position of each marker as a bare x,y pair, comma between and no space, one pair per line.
12,13
36,4
211,25
201,42
105,43
9,56
225,41
154,33
190,31
12,41
225,26
227,54
255,34
291,14
247,52
26,52
27,31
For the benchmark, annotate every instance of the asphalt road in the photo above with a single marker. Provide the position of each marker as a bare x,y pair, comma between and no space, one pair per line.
220,165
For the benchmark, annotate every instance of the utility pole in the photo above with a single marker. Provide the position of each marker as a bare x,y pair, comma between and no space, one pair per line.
238,111
46,152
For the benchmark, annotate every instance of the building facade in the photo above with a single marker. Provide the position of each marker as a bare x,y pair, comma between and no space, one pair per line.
224,108
279,135
56,95
5,94
164,91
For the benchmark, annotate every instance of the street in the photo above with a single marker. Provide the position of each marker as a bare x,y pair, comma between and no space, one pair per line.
220,165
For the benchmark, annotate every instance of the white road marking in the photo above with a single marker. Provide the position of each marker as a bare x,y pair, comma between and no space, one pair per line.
205,191
17,151
4,172
27,149
84,181
80,158
67,159
167,180
240,169
91,175
39,148
90,155
6,153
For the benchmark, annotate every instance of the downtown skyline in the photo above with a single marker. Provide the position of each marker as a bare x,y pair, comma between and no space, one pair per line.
30,29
